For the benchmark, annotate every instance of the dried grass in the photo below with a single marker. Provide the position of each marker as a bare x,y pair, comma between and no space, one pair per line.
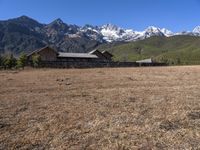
110,108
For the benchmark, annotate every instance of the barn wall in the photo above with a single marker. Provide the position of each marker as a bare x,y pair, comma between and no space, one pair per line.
48,55
95,64
84,64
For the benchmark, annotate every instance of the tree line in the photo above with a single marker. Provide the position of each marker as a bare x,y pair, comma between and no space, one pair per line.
11,62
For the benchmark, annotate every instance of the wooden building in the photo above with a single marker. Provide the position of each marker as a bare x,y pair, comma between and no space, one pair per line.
50,57
49,54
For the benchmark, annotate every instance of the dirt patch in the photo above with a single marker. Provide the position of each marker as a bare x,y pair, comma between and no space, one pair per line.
170,125
194,115
3,125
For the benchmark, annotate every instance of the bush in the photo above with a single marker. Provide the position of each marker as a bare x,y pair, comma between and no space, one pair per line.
22,61
36,60
9,62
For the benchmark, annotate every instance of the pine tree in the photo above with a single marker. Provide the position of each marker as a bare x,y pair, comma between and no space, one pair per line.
9,62
21,62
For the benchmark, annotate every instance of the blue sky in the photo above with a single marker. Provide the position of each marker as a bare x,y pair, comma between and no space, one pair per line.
176,15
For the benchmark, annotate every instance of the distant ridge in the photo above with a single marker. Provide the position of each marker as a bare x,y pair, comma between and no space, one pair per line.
179,49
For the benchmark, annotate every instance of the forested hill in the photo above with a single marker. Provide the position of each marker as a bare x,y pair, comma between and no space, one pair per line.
174,50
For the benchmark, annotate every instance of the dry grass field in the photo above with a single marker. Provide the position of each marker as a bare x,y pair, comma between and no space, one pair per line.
108,109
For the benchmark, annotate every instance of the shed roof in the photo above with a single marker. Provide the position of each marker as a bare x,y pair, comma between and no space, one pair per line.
107,53
95,51
145,61
76,55
38,50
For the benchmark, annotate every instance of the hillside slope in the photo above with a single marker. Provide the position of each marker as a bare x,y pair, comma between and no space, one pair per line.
176,49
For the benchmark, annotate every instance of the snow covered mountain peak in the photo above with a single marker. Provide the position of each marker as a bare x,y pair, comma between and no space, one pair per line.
197,29
153,31
167,32
90,28
113,33
110,26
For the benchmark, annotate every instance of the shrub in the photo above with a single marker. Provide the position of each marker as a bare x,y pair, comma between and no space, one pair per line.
36,60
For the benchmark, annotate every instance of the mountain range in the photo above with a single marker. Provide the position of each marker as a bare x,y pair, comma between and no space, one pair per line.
24,34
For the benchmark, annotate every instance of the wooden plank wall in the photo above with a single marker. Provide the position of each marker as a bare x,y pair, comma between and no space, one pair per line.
78,64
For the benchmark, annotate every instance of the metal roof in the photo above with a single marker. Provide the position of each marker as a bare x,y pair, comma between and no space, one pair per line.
95,50
76,55
145,61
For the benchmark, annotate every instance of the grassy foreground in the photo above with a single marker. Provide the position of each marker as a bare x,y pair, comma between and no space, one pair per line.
110,108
